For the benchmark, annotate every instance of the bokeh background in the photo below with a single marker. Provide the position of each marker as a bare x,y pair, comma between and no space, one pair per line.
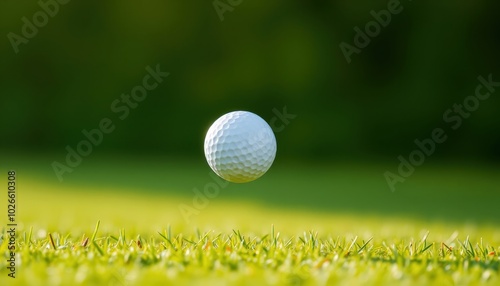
352,121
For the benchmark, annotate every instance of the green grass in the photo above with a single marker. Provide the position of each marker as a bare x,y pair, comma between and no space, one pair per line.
110,224
235,257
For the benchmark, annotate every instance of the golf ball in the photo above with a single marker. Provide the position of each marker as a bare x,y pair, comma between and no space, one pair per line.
240,146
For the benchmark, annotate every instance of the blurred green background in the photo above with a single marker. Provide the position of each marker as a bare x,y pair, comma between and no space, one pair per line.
262,56
352,120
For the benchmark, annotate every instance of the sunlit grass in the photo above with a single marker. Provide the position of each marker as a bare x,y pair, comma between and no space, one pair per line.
274,257
317,225
92,236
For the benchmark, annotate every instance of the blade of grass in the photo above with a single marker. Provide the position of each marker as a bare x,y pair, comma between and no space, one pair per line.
95,231
52,241
364,245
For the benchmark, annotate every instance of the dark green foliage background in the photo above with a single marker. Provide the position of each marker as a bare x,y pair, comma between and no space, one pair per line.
264,55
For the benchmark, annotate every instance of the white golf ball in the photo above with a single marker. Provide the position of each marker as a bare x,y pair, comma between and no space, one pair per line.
240,146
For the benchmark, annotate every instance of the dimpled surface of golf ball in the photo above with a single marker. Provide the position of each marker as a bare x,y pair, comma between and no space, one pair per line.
240,146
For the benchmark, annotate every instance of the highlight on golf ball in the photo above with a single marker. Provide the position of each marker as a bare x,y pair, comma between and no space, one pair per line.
240,147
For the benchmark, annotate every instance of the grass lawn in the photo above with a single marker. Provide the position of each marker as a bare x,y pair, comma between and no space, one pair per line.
115,222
